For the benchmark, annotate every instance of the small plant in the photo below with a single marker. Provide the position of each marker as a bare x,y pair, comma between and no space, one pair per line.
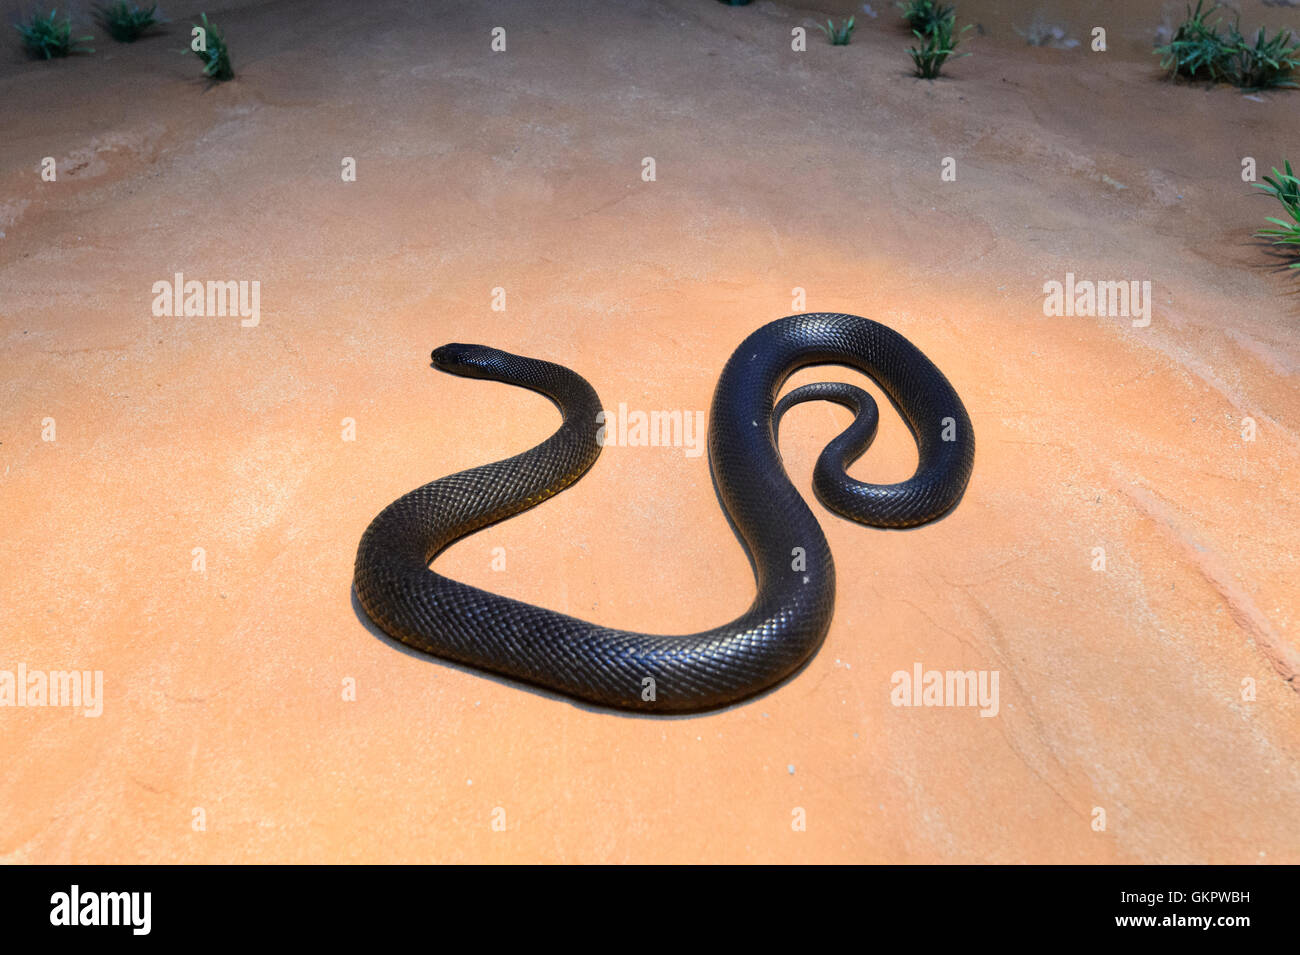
1196,50
50,37
924,16
1265,64
936,47
216,56
1285,188
838,35
125,22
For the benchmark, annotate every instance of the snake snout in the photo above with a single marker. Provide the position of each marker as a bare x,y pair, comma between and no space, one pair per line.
447,357
470,361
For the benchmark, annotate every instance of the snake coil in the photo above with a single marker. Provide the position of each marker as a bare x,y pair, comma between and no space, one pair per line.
792,611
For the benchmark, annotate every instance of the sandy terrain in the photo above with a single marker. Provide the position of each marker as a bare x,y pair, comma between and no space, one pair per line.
226,688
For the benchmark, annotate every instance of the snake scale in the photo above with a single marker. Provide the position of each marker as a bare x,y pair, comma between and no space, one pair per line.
791,559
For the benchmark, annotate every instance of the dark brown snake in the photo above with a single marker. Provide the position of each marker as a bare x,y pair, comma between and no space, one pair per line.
792,562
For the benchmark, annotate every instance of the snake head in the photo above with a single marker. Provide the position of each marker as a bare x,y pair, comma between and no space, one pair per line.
469,361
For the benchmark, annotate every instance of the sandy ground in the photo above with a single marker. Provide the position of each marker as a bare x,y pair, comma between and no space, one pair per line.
227,731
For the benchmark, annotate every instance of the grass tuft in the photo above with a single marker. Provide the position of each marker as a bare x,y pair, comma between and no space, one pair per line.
1265,64
1196,49
216,58
50,37
838,35
936,47
1201,50
126,22
925,16
1285,188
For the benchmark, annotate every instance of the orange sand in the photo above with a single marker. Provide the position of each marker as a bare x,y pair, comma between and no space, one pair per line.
1120,690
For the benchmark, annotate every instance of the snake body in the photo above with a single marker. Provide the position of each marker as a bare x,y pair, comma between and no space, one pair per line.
791,559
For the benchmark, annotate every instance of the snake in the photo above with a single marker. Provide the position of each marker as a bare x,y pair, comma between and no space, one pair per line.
787,548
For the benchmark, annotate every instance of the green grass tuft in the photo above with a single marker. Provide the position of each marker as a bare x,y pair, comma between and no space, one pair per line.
48,36
126,22
1265,64
216,58
925,16
1196,50
1285,188
838,35
1202,50
936,48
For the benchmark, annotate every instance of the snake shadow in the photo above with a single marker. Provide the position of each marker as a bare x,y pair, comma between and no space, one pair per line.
535,690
